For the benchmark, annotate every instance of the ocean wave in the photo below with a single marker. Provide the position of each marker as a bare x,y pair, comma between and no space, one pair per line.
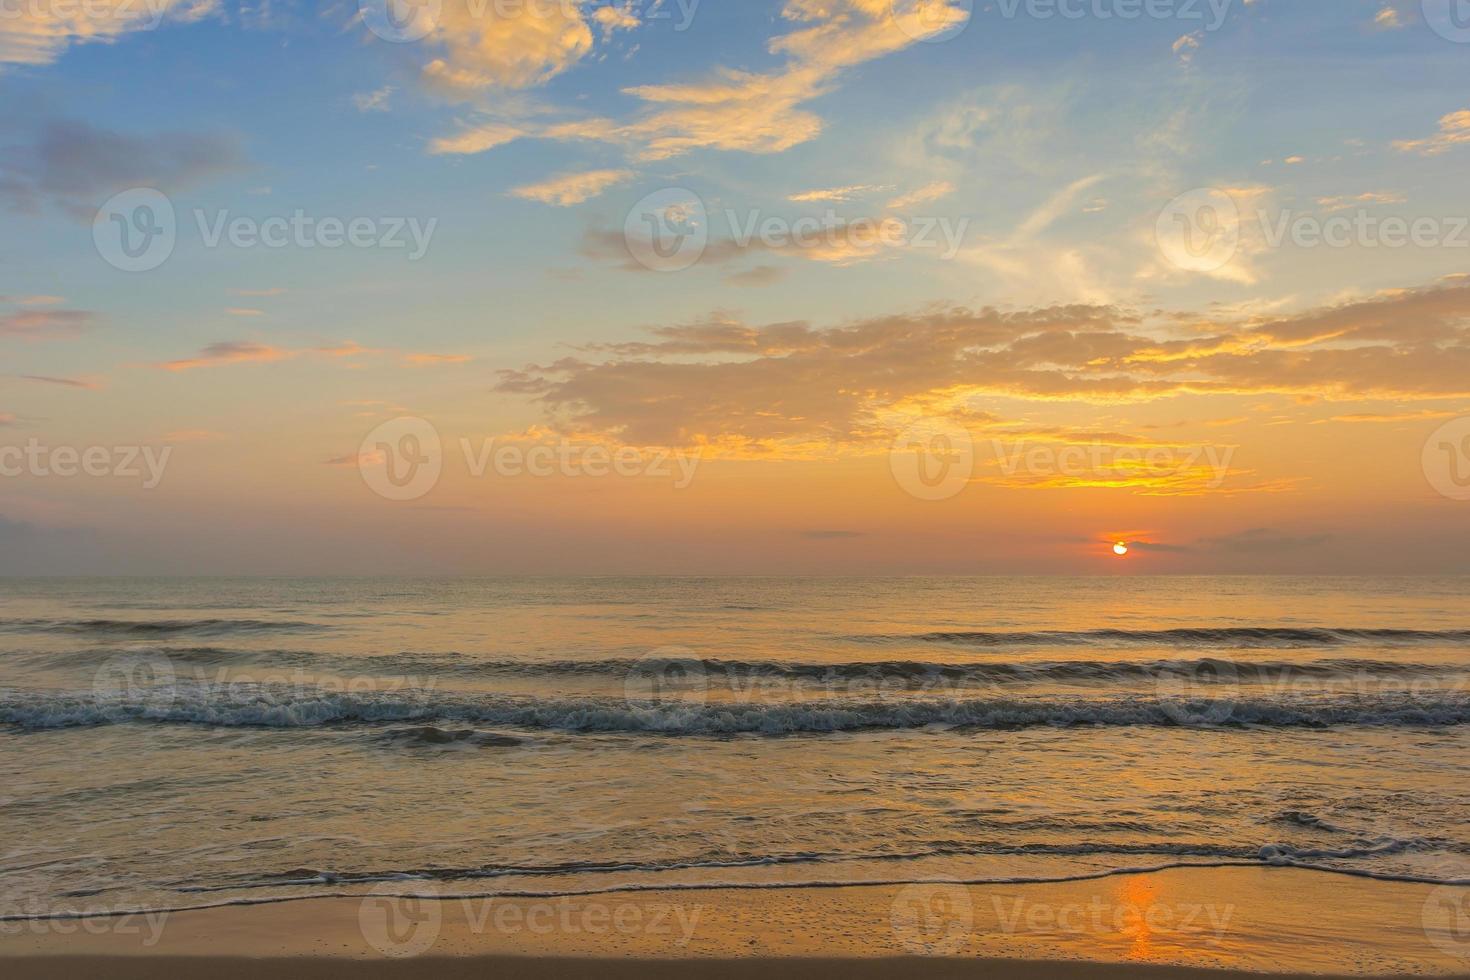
817,673
1230,636
260,706
156,627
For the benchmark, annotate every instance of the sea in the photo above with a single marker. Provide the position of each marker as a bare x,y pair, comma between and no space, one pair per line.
173,744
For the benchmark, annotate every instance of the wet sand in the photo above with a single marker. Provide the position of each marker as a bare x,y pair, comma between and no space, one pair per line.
1216,922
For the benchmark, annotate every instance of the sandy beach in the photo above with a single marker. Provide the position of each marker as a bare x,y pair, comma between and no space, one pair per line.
1186,922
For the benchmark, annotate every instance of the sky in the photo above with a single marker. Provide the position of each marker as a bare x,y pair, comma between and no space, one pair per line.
734,287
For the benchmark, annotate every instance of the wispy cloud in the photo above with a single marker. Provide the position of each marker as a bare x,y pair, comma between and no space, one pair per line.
564,190
45,324
1454,130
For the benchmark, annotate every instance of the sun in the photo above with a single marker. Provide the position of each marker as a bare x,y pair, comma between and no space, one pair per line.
1120,549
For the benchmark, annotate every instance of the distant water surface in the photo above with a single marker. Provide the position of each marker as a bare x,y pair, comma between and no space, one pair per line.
170,743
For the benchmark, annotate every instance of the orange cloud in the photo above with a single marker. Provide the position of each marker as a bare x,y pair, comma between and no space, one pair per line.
229,352
565,190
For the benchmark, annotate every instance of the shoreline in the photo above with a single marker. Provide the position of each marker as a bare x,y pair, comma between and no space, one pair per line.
385,888
1180,922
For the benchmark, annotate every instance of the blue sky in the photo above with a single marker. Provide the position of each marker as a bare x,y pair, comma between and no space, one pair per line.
1039,151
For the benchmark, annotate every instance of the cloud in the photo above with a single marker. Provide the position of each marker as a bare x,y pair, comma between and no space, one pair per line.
477,139
759,275
564,190
39,33
750,111
74,165
32,300
1454,130
836,194
1186,46
427,359
374,101
249,352
45,324
1388,19
504,46
229,352
924,195
63,382
268,291
831,535
794,388
1359,200
613,18
1374,417
243,311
